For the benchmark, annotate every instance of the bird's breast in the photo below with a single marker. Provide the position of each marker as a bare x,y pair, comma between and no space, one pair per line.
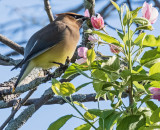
59,52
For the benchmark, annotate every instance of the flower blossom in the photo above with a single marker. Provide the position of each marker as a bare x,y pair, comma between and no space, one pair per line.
93,38
149,12
114,49
97,21
155,93
82,52
86,13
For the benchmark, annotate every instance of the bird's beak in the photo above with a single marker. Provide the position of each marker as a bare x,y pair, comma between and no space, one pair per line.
85,18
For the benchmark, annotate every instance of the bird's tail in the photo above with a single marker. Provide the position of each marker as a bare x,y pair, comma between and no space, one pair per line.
26,69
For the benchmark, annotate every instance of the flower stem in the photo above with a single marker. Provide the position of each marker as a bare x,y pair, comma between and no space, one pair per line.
130,87
72,104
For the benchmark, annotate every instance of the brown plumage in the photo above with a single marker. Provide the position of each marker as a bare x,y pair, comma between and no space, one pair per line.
53,43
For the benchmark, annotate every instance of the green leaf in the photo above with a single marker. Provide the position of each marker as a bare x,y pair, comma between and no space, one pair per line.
151,41
156,116
73,68
155,84
84,127
125,38
115,5
145,27
135,12
139,86
111,120
139,40
81,105
141,21
132,122
56,86
91,55
125,20
102,78
150,57
108,38
101,113
155,69
120,35
82,86
59,123
113,64
67,89
151,105
89,116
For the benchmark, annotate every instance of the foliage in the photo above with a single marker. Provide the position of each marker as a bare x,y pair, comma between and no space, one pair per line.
110,79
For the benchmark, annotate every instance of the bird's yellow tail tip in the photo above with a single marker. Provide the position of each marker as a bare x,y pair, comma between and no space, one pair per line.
13,89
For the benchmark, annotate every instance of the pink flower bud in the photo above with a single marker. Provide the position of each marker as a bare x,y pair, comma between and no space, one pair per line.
81,61
82,52
155,92
149,12
97,21
86,13
93,38
114,49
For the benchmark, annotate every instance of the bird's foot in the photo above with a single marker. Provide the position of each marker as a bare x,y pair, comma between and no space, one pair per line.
63,66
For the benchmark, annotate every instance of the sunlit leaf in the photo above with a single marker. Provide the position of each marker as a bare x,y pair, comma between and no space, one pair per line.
141,21
56,86
107,38
145,27
84,127
67,88
139,40
113,64
115,5
91,55
89,116
151,41
81,105
150,57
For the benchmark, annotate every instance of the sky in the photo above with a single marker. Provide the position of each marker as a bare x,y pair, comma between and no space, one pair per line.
48,113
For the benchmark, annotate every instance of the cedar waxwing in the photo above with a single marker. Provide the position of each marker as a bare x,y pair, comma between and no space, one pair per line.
53,43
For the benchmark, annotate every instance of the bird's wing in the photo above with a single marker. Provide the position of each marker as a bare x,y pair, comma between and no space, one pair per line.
44,39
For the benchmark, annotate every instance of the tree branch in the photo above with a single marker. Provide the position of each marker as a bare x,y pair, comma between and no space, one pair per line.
48,10
12,44
58,100
7,61
17,107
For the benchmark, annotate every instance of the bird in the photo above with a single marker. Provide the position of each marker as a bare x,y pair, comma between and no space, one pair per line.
51,45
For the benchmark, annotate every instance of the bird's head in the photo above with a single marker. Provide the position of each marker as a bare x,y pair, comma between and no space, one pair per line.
79,19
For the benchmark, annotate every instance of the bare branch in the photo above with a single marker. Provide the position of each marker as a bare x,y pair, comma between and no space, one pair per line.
12,44
28,112
6,61
48,10
17,107
58,100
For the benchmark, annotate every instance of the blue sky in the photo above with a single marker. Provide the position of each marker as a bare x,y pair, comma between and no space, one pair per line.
49,113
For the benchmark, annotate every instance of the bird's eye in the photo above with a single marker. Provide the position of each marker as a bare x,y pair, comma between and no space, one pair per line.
75,16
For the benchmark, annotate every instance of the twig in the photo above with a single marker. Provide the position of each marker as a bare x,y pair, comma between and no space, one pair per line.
12,44
18,106
58,100
7,61
48,10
